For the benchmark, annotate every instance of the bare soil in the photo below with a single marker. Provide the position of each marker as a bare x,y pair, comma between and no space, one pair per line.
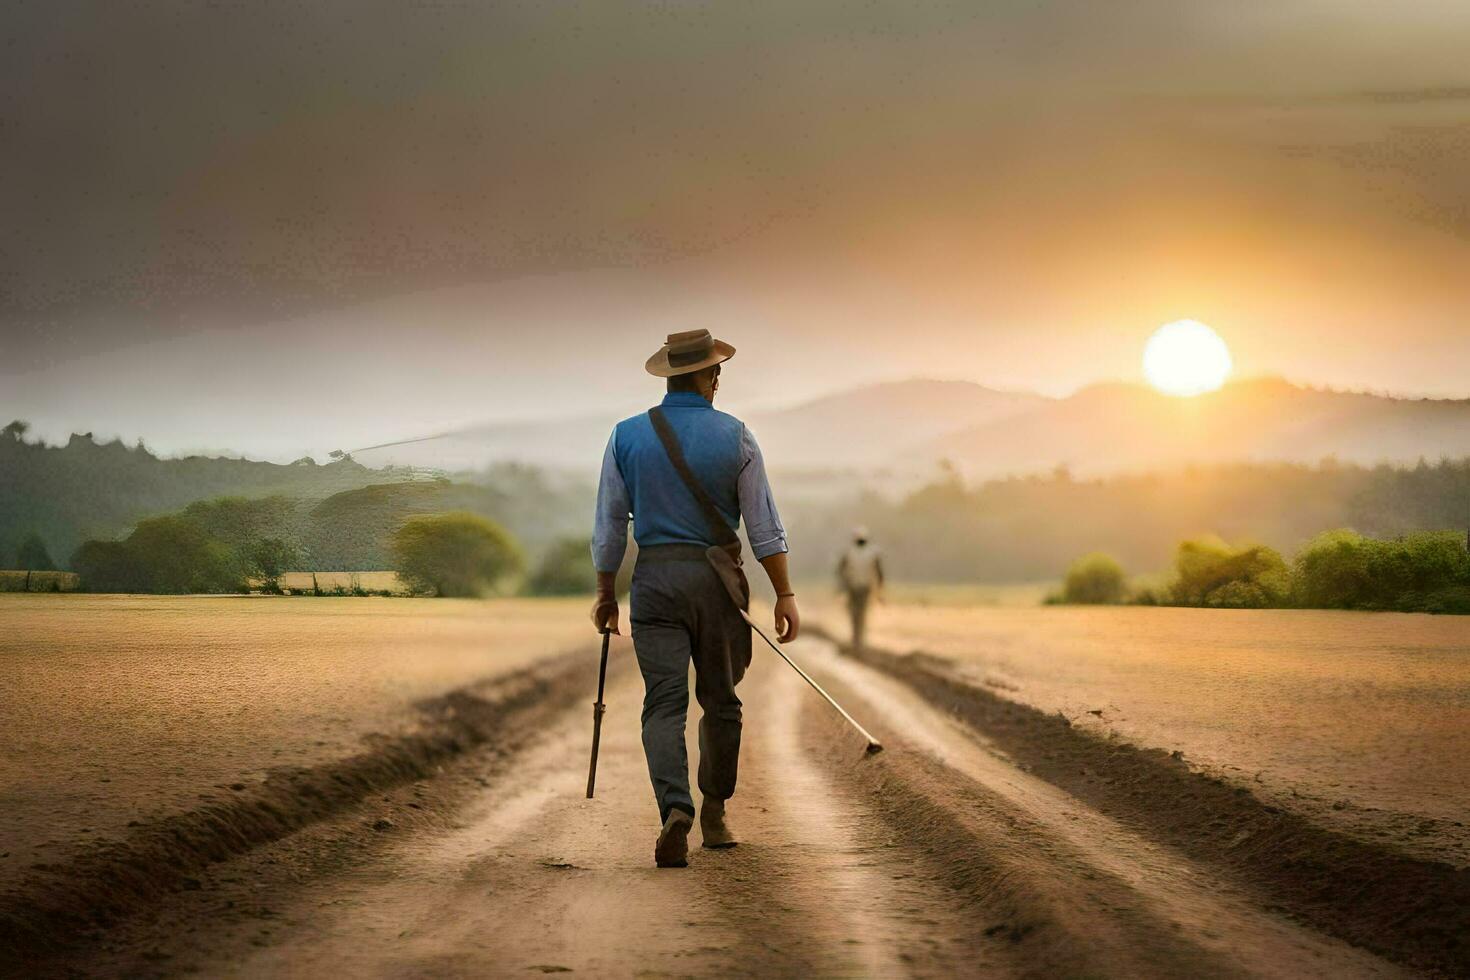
938,857
123,711
52,905
1372,894
1358,721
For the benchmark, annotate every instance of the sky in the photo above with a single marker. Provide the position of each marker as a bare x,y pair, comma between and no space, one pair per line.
278,228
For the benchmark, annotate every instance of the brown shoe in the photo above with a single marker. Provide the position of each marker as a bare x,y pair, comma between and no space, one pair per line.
672,849
712,829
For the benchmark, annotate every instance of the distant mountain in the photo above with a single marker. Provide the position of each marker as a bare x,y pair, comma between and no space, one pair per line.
864,428
1119,427
877,424
575,443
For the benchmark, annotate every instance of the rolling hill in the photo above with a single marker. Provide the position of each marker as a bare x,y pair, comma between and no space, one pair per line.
876,424
1126,428
863,427
909,426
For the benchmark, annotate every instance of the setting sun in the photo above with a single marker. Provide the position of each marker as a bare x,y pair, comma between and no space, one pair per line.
1186,358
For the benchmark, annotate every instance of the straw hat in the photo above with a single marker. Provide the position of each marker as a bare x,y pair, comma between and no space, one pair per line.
687,352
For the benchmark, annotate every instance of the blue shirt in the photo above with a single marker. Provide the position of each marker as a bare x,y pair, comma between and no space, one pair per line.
638,481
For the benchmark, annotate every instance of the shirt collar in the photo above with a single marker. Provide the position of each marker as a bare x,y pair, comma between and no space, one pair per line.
685,399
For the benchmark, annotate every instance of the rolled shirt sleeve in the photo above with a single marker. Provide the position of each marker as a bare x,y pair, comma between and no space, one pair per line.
610,520
757,506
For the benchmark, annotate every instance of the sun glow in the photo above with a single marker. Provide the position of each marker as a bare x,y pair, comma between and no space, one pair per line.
1186,358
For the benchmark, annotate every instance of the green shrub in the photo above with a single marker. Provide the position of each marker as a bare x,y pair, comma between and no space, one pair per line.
170,554
455,554
176,555
1334,571
565,569
1243,595
107,566
1427,571
1455,599
1095,579
268,559
1409,570
211,546
1210,572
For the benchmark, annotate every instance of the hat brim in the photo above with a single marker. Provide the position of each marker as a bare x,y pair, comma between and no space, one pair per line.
658,365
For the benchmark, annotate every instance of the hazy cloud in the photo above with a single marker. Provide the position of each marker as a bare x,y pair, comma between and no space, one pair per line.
1036,183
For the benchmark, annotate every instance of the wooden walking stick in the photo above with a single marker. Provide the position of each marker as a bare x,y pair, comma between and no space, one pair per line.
597,709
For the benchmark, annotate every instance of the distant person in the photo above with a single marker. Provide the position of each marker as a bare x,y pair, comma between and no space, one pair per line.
687,474
860,574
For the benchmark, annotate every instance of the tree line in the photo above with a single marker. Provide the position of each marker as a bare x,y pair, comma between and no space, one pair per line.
61,496
1424,571
1008,530
236,545
1028,529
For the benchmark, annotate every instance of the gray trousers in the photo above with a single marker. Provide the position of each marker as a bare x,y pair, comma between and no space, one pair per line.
681,613
857,610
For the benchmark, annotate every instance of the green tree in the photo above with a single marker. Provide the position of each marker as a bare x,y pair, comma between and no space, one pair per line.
455,554
240,521
1095,579
1425,571
565,569
1212,573
176,555
211,546
1420,571
108,566
270,558
32,555
1334,571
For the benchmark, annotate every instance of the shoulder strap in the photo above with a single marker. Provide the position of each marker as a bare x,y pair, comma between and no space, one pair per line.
718,528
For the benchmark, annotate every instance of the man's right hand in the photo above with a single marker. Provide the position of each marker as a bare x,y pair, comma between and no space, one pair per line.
788,620
605,614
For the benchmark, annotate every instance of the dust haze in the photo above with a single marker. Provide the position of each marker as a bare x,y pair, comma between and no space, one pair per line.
279,215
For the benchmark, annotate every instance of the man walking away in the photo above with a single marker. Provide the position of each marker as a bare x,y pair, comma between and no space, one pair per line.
687,474
860,575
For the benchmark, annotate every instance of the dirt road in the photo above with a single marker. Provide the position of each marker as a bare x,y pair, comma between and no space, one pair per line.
1359,721
936,858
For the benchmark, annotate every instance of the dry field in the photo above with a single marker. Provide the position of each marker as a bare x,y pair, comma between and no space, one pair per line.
263,786
1359,720
940,856
122,709
333,582
20,581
